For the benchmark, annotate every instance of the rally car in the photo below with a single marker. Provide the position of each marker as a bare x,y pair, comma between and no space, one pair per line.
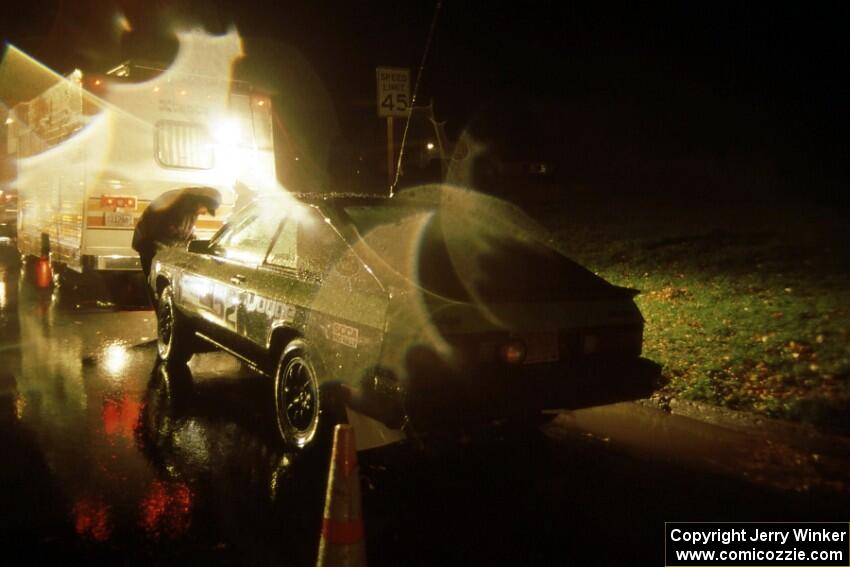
431,311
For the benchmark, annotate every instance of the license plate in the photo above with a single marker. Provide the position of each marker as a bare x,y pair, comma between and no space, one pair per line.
541,347
118,220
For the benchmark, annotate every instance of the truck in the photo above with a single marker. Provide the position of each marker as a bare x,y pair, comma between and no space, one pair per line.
93,150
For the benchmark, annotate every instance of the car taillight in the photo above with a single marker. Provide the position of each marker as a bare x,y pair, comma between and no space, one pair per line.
513,352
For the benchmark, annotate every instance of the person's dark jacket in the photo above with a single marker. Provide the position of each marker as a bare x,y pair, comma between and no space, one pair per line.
169,220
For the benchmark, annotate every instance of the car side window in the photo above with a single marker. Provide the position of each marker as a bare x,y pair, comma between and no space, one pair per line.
318,245
284,253
307,244
226,233
249,240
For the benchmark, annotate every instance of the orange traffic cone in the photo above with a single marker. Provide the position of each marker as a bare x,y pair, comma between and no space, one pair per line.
43,273
343,539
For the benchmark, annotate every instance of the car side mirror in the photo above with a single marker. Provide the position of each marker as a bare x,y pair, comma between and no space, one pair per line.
199,246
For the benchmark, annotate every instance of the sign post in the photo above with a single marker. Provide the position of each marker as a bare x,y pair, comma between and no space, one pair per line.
393,100
390,152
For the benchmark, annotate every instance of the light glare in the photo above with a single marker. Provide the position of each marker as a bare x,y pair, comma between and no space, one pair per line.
115,358
123,24
226,131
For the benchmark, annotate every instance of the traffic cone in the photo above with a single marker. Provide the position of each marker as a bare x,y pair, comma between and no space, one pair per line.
343,539
43,273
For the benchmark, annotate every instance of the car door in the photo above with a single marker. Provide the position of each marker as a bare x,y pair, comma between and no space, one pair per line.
313,283
278,296
215,285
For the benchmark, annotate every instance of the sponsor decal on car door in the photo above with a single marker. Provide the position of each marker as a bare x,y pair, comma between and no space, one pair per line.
259,315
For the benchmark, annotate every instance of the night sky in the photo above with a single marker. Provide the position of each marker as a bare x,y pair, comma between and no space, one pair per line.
760,84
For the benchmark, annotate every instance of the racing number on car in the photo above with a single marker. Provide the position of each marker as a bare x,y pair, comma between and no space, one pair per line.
231,309
215,298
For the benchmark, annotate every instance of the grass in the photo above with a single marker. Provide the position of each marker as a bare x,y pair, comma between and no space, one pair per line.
747,305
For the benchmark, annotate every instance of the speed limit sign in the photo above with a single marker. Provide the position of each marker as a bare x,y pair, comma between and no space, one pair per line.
393,91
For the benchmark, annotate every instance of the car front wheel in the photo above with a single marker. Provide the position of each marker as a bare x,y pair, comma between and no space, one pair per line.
174,338
297,397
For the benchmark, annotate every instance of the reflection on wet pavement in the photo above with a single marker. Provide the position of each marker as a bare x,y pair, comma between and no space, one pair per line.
116,458
126,454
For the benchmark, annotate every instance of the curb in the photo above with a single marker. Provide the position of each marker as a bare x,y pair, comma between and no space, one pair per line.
798,434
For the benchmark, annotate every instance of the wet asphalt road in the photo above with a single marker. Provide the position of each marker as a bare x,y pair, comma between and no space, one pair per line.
108,460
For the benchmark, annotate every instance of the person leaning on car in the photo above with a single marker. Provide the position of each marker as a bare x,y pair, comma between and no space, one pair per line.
170,220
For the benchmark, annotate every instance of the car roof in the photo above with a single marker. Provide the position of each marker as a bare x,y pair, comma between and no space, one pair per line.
342,198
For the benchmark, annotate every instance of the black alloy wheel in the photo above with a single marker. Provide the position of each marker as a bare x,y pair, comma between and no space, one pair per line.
173,339
297,399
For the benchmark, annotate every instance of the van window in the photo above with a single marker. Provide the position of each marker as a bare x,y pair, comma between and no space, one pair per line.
184,145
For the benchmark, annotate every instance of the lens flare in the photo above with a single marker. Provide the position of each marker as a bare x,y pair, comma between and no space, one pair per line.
122,23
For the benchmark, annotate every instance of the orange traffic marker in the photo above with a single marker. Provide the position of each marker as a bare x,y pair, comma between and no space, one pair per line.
343,538
43,275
